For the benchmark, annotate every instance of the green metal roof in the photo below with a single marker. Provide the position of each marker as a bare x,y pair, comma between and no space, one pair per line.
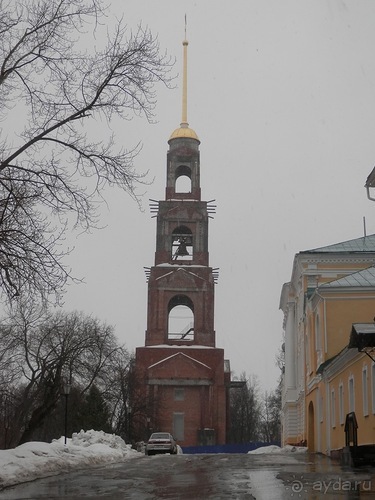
365,244
327,362
363,278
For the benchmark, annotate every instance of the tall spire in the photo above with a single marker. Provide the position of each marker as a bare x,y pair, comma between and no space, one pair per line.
184,122
184,131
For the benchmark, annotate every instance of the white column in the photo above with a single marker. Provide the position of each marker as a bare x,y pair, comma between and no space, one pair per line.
290,349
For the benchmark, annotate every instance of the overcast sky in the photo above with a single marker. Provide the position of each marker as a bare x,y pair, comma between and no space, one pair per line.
282,97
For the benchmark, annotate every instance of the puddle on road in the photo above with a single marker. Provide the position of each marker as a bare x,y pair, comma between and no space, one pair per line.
220,477
265,485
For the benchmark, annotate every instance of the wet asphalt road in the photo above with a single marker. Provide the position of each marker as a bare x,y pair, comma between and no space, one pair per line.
222,476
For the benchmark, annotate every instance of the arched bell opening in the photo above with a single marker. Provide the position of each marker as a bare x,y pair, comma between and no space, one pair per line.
180,318
183,179
182,244
183,184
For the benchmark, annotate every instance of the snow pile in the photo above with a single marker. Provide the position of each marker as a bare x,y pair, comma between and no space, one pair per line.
276,449
36,459
89,438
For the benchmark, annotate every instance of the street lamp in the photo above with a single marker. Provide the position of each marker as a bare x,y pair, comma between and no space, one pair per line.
129,425
65,392
148,427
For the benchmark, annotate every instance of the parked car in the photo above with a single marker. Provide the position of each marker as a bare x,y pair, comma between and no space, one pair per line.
161,442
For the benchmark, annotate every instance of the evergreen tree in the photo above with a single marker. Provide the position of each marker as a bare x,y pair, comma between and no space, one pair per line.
94,413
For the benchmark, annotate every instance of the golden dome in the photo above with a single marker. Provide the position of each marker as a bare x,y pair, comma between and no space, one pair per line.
184,132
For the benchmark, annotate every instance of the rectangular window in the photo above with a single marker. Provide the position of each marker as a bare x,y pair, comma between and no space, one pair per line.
178,426
364,391
318,341
373,387
341,403
308,361
333,408
321,408
318,344
351,394
179,394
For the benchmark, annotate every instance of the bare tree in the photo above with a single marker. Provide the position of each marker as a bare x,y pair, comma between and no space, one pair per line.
270,415
132,403
114,384
52,171
245,411
46,349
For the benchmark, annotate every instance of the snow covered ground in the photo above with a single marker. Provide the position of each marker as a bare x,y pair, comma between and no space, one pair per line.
276,449
36,459
87,448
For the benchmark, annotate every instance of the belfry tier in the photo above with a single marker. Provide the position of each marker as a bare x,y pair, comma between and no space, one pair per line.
182,223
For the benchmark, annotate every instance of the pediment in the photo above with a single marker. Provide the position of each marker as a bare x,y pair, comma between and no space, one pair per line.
179,366
179,276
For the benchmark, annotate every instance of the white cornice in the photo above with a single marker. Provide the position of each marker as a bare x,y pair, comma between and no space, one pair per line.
301,260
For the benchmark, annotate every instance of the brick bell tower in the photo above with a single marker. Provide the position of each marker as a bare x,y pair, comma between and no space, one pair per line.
181,374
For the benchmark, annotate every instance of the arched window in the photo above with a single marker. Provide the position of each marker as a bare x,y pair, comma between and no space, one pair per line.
183,179
183,184
180,318
182,244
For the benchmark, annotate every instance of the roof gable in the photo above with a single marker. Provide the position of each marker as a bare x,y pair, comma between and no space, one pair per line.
363,278
359,245
174,276
179,366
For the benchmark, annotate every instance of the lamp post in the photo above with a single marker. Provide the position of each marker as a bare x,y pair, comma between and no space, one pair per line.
148,427
129,426
65,392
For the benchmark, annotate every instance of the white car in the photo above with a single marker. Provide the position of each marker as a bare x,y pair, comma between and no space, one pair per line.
161,442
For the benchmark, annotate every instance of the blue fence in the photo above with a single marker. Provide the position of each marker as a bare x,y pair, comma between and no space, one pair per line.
226,448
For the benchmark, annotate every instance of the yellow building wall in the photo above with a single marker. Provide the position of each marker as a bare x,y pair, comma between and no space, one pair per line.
325,430
328,322
335,318
365,419
340,313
